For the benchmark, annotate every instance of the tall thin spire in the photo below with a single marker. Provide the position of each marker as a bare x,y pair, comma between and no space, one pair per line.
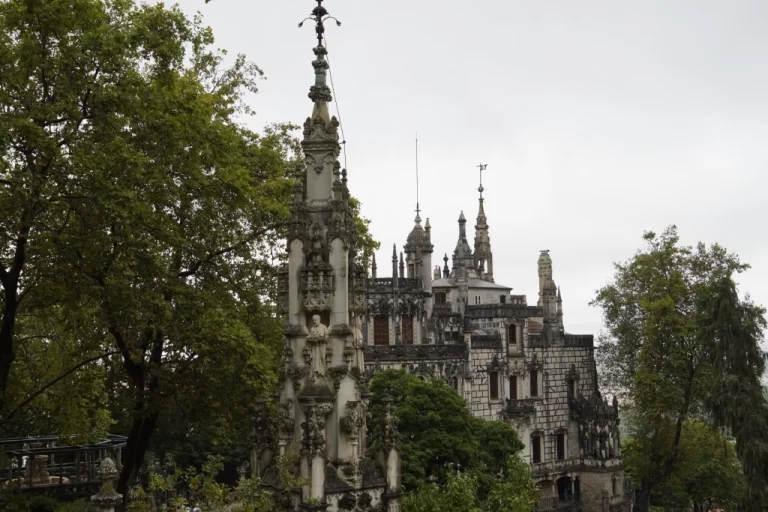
320,93
418,210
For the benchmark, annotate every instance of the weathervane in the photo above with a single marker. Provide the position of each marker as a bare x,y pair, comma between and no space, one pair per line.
320,16
480,188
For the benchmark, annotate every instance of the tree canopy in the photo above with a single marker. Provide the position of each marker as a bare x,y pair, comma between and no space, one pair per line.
681,344
440,438
141,226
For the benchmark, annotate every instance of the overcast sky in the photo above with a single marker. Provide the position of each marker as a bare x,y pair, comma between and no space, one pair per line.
598,120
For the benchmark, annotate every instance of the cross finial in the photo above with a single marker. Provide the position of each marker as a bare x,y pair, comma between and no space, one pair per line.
320,16
480,188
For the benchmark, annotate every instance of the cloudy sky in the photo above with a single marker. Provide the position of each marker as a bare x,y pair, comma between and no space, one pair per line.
598,120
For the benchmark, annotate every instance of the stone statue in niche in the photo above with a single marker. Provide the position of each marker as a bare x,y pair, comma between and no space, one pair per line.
318,330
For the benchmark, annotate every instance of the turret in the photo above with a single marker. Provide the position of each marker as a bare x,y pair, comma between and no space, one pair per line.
463,262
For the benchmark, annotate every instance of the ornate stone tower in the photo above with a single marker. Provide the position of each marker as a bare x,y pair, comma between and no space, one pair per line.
322,389
418,256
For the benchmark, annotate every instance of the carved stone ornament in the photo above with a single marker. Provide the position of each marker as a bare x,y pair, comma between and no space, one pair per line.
263,427
285,419
107,498
351,422
336,373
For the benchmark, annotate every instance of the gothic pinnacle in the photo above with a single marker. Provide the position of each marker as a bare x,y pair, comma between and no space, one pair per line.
320,92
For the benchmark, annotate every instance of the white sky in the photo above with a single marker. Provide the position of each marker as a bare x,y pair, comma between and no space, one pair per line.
597,119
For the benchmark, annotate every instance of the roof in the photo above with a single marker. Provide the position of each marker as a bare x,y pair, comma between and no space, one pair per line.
450,282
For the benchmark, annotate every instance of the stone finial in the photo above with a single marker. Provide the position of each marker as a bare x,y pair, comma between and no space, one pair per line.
373,266
394,261
402,265
107,498
446,270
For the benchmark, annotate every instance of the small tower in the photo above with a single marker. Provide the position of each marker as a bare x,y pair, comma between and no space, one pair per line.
418,257
483,254
463,262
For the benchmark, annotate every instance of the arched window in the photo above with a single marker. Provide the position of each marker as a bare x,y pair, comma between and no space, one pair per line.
512,335
455,382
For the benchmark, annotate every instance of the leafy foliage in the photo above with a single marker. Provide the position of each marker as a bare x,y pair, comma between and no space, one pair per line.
439,436
681,345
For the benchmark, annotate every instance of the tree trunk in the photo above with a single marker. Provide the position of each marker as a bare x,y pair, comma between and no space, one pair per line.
644,497
136,448
10,283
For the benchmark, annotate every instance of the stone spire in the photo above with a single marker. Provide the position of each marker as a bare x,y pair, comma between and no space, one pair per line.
322,291
559,309
483,254
394,261
446,270
463,263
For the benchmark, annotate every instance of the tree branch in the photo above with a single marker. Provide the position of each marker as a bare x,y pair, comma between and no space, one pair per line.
199,263
51,383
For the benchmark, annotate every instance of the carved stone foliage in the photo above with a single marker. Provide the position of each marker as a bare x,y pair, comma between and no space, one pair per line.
285,419
380,305
357,502
351,422
263,435
390,436
410,305
496,365
336,373
357,289
282,289
297,373
313,430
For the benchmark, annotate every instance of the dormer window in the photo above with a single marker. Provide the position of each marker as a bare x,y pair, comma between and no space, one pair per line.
439,298
477,300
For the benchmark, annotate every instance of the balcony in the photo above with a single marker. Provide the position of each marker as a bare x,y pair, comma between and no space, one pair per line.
518,407
570,504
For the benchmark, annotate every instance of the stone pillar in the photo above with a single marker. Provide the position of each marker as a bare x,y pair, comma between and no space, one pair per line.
106,499
391,452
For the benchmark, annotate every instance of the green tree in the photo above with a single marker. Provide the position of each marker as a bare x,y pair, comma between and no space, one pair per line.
661,351
515,490
439,434
458,494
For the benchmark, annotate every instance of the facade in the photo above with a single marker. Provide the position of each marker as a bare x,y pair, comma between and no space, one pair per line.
511,361
322,391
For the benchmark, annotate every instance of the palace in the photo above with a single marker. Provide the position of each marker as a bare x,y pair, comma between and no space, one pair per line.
511,361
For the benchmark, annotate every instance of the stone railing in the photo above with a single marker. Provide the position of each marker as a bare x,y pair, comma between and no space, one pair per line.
520,406
480,341
442,308
388,283
410,352
557,466
579,340
503,311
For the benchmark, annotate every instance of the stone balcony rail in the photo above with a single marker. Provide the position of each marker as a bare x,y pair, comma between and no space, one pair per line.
503,311
514,406
539,469
389,283
480,341
410,352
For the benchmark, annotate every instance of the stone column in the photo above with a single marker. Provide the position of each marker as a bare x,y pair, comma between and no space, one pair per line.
390,448
106,499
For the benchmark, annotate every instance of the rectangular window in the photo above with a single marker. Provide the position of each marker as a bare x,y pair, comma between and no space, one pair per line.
494,380
381,330
454,335
560,446
536,448
477,299
503,299
534,376
408,330
513,387
439,298
512,334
